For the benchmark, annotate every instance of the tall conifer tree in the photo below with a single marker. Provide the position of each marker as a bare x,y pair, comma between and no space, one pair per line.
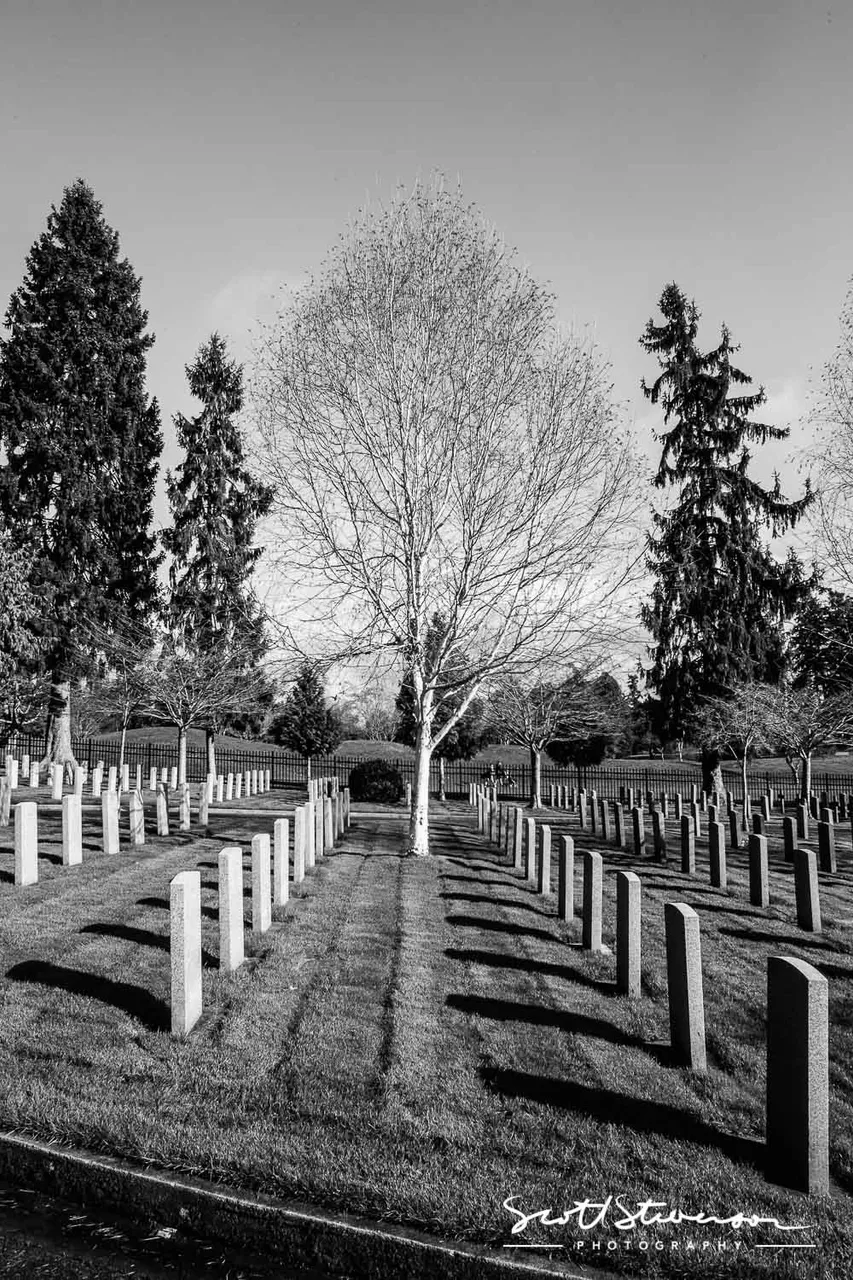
720,597
81,441
216,505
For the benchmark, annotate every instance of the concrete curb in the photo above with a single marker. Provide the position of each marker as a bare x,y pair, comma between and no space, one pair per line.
300,1235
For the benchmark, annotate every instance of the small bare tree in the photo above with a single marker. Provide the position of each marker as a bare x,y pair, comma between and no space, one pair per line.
738,724
436,448
536,714
192,690
803,721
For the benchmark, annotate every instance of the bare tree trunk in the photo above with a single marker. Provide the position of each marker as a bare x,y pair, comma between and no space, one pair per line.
57,744
419,819
807,776
535,778
122,746
441,792
743,776
182,753
209,736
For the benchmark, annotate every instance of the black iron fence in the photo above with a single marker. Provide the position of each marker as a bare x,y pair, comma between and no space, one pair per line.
287,769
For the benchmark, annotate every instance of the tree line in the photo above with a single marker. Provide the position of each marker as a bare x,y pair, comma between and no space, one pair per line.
442,481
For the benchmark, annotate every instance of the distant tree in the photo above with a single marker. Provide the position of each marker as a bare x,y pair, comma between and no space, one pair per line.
821,645
192,690
123,679
804,721
719,598
306,724
80,440
832,456
215,505
539,716
594,722
737,724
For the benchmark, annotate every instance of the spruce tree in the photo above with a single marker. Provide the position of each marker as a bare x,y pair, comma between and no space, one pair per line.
306,724
720,597
81,441
215,506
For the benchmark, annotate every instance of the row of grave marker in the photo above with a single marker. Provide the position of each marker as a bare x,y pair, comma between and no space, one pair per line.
226,786
805,861
317,825
797,1109
26,824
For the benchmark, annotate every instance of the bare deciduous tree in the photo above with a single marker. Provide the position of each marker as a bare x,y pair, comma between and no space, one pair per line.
436,448
737,724
192,690
803,721
834,413
535,714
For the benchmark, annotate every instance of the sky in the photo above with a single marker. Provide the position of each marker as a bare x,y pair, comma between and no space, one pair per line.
617,145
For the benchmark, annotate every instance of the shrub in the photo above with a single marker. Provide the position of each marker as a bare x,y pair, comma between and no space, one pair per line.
376,780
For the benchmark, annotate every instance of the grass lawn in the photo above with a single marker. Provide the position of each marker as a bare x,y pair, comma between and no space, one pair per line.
419,1039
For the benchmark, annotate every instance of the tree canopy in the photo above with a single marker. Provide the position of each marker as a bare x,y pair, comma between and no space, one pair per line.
438,447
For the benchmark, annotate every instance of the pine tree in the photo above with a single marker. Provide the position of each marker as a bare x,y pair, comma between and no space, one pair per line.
215,506
81,441
720,597
306,724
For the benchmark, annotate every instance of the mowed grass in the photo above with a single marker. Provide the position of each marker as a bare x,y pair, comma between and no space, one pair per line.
419,1039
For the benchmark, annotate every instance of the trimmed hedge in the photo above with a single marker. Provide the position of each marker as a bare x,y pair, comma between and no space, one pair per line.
376,780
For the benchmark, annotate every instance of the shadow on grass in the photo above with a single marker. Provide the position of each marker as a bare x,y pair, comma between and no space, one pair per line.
8,877
135,1001
475,863
616,1108
480,884
780,939
163,903
540,1016
501,926
732,911
518,904
522,965
144,937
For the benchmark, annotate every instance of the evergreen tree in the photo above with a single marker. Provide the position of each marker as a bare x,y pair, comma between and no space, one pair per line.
20,690
81,441
306,724
821,647
720,597
215,506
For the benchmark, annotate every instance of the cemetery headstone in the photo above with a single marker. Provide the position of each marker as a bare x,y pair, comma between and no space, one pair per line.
566,883
185,950
806,890
231,940
628,933
592,869
759,878
797,1075
684,980
72,830
261,884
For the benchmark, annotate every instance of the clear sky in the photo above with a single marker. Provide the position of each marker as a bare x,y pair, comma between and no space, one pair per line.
619,144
